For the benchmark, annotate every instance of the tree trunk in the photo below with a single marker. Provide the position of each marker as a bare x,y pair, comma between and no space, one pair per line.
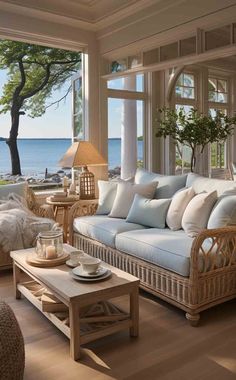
193,160
12,142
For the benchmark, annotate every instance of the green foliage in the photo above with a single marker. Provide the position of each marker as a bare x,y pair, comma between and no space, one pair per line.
194,129
35,71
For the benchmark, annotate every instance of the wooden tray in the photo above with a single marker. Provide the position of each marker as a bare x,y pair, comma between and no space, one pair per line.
33,260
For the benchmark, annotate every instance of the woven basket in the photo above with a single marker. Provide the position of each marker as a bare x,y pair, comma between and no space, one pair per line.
12,351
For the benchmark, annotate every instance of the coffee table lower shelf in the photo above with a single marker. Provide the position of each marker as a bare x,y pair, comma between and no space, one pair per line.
96,321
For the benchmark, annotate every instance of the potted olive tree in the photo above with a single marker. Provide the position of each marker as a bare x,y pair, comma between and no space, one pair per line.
194,129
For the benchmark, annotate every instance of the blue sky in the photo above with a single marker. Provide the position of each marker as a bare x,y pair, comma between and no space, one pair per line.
56,122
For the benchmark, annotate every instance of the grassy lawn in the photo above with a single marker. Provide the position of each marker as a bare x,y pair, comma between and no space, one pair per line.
4,182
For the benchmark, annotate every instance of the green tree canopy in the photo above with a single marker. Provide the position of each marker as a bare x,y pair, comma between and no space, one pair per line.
194,129
34,72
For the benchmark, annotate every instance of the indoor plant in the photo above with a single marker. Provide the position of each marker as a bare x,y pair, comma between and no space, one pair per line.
194,129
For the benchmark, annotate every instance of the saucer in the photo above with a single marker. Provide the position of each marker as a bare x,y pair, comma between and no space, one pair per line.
71,264
82,273
91,279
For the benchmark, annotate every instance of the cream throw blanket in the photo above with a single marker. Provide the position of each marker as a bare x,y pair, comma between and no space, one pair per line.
19,227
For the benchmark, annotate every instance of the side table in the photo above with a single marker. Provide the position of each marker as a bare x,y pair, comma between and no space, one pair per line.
65,206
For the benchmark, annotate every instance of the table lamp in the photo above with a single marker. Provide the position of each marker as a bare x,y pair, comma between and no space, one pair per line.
81,154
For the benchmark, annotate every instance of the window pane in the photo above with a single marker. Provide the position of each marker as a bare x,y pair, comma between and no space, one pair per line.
188,46
188,93
119,65
188,80
180,80
169,51
222,85
217,37
135,83
218,150
222,98
182,152
115,123
212,96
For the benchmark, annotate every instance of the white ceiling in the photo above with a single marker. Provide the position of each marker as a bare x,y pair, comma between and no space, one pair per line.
88,11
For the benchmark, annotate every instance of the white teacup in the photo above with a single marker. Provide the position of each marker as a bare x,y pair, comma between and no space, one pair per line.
90,264
75,257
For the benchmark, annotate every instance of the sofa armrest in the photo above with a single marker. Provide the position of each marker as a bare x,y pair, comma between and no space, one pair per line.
44,211
219,252
80,208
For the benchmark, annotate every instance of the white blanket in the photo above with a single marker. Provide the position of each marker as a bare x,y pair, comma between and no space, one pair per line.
19,227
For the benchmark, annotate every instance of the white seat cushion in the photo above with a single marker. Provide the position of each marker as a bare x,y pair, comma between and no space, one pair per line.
168,249
103,228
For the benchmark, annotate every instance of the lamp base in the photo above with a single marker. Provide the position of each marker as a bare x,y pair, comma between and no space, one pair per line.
86,184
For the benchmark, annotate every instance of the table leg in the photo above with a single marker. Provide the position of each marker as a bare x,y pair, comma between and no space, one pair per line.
134,311
74,331
16,280
65,224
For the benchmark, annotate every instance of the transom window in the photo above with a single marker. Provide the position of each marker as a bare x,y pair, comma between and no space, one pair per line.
185,87
217,90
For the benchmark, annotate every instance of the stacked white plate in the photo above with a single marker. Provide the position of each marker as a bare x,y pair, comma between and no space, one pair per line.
79,274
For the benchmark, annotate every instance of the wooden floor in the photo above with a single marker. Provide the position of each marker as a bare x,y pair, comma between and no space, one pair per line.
167,349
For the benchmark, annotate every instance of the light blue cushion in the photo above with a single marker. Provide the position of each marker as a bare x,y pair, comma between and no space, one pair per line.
167,184
148,212
107,194
168,249
223,213
17,188
103,228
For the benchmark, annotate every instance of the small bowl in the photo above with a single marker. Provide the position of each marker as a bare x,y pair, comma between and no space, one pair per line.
90,264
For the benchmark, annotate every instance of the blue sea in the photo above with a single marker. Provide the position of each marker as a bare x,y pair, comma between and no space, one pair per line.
38,154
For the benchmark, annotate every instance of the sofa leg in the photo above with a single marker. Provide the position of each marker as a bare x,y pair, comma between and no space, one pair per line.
193,319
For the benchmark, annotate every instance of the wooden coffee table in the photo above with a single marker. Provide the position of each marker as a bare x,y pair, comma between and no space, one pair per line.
90,314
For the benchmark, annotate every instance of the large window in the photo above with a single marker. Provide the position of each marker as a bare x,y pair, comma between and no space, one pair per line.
217,90
126,105
185,86
217,100
185,98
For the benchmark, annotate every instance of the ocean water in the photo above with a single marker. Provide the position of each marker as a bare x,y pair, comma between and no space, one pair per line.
38,154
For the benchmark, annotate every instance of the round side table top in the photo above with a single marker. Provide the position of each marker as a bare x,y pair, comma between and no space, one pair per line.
61,203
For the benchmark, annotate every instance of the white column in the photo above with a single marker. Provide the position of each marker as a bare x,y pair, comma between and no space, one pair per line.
129,132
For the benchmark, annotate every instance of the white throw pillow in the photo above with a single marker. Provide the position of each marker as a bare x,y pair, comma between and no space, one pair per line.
107,194
177,207
197,213
125,196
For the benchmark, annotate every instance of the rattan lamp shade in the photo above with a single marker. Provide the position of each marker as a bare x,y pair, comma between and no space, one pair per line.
83,154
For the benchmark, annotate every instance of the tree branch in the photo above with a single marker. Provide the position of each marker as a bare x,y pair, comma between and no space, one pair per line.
44,82
59,100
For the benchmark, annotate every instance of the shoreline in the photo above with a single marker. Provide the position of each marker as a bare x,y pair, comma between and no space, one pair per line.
50,178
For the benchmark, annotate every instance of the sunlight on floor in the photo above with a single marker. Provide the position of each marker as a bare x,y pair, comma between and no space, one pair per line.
226,362
95,358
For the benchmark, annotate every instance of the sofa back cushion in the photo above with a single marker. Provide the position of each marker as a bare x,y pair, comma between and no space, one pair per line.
200,184
197,213
107,194
148,212
223,213
177,207
167,184
16,188
125,196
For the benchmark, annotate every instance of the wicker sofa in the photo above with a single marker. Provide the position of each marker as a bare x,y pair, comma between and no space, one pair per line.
181,270
23,190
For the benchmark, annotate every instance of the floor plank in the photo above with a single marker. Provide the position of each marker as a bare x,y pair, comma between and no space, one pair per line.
168,348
